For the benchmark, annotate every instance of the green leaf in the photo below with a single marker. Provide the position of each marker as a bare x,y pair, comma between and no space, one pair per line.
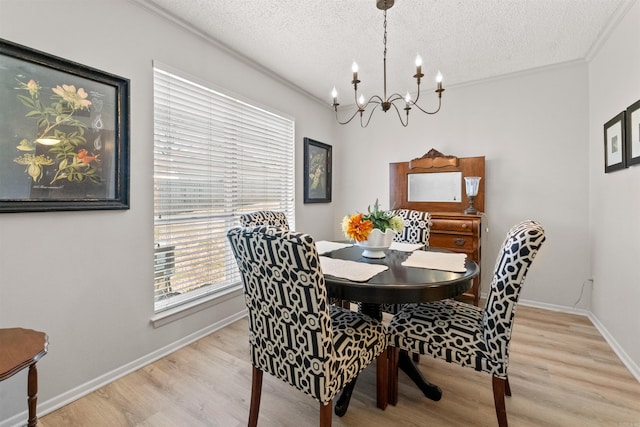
26,101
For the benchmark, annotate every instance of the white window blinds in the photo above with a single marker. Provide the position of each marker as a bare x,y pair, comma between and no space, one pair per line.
215,157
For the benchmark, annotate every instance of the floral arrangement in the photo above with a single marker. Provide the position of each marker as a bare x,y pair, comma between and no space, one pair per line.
358,226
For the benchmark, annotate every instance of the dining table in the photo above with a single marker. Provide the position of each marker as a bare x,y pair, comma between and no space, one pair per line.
397,284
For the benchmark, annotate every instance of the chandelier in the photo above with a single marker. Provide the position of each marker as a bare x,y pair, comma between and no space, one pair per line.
386,103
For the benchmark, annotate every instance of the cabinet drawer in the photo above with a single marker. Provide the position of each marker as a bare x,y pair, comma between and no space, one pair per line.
455,225
454,242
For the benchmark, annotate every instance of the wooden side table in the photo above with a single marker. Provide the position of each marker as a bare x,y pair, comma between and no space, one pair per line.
21,348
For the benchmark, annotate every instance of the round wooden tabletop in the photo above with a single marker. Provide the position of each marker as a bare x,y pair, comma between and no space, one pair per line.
20,348
399,284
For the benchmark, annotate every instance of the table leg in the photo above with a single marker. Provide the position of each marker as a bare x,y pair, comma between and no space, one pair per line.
32,395
407,365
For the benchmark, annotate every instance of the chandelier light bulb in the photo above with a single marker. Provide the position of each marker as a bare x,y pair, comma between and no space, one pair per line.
407,98
439,77
354,68
418,61
361,100
334,93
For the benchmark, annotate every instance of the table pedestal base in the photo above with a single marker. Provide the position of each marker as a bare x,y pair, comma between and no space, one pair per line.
405,363
430,391
342,404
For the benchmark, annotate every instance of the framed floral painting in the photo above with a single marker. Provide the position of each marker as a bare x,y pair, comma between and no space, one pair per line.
64,134
615,156
317,172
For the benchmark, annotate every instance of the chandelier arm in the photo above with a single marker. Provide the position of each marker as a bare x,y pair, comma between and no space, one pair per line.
375,99
400,116
348,121
429,112
418,94
368,119
394,97
355,96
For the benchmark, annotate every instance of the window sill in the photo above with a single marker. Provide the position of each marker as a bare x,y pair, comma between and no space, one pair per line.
164,317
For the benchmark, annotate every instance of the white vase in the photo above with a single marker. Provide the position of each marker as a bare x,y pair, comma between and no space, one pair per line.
376,243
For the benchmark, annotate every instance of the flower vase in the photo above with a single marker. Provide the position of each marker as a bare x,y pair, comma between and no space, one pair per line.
376,243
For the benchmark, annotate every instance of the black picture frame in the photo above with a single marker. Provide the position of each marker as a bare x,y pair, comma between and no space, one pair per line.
317,171
64,134
632,136
615,153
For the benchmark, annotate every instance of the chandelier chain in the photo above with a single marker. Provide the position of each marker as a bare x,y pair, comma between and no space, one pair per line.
384,39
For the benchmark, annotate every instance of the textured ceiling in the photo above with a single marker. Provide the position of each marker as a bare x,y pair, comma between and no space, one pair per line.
312,43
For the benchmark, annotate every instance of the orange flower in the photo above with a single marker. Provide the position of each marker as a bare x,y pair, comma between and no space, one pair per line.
356,228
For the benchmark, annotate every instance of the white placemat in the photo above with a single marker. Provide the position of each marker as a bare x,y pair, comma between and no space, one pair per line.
351,270
324,246
405,247
437,261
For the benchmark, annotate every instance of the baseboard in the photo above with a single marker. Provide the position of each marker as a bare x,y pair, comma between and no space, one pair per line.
628,362
617,349
555,307
76,393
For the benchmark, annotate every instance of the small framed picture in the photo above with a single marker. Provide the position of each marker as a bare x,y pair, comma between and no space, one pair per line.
317,172
633,133
615,156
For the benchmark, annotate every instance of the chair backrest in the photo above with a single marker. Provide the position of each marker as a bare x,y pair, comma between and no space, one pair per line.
275,218
514,259
417,226
289,321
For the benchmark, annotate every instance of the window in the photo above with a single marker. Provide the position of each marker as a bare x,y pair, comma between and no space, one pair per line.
215,157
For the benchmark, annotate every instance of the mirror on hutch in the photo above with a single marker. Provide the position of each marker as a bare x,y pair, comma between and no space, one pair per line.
436,183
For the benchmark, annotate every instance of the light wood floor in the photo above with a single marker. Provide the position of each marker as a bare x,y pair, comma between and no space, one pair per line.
562,373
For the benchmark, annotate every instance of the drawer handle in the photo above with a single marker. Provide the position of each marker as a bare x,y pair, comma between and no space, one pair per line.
459,241
464,225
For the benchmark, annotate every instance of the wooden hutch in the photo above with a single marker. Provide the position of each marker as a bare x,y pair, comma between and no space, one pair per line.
435,183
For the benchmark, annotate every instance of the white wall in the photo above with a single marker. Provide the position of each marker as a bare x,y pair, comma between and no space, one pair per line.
532,130
86,277
614,84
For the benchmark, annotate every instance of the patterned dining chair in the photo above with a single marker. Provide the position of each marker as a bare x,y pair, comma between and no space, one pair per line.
465,334
294,334
275,218
417,226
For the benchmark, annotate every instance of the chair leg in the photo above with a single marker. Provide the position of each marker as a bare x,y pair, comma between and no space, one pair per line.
325,414
393,375
507,389
499,389
382,380
256,390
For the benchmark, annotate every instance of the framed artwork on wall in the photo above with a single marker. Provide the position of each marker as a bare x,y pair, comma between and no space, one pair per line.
64,134
632,119
317,172
615,156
